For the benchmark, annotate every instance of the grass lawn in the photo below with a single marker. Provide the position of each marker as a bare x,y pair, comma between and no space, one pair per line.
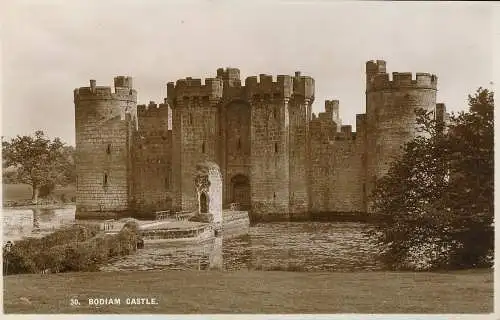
254,292
16,192
20,192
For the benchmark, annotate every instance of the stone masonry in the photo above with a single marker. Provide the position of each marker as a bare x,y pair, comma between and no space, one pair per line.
276,158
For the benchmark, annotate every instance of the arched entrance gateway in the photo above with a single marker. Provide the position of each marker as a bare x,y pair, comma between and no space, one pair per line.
237,157
203,203
240,191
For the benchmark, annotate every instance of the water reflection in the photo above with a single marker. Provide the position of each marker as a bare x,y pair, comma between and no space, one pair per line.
19,223
215,259
173,256
311,246
306,246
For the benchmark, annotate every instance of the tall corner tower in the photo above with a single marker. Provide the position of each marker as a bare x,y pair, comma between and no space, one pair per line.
105,120
270,152
390,112
195,128
300,112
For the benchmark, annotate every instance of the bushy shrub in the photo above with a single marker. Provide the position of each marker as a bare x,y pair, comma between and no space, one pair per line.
78,248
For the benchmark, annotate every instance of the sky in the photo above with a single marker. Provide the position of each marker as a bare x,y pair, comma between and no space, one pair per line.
51,47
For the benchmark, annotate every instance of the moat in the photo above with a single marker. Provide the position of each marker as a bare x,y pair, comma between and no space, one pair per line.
286,246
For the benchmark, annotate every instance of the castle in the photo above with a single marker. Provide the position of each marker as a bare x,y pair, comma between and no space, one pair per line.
277,159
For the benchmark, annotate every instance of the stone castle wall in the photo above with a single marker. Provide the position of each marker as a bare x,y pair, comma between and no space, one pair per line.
276,159
270,158
299,110
105,120
337,172
195,124
152,160
235,150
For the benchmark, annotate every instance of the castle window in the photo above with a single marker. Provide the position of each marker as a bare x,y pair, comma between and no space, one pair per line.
274,195
108,149
239,144
203,147
275,147
275,114
190,119
105,182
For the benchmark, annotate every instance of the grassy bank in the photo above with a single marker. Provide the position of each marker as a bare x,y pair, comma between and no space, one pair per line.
20,195
254,292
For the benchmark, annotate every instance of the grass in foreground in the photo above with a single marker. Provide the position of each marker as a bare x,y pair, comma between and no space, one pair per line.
254,292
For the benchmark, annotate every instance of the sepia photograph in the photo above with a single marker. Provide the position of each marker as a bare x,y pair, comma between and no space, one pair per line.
214,157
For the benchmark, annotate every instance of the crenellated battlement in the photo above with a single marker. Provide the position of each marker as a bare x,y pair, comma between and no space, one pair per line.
193,88
382,81
231,74
375,66
264,85
227,84
122,90
303,86
332,106
152,110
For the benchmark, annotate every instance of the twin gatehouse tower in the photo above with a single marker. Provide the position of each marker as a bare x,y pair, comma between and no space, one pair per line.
276,158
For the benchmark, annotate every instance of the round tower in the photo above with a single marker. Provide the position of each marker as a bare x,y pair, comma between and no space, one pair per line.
390,112
105,119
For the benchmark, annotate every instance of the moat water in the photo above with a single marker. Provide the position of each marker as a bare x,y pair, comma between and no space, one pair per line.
286,246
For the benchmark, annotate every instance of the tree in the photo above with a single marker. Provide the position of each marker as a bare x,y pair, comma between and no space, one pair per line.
40,162
470,194
436,201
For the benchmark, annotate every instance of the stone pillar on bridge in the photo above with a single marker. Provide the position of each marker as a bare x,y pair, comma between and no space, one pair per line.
208,182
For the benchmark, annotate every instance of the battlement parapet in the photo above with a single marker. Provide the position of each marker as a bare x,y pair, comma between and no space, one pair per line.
122,91
442,116
229,74
346,130
227,85
332,106
152,110
303,86
123,82
265,86
360,122
193,88
381,81
375,67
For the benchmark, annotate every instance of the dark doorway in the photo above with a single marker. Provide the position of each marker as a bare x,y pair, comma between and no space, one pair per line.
203,203
240,187
168,202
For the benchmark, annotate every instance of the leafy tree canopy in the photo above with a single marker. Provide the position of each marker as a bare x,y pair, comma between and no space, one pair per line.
435,204
38,161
